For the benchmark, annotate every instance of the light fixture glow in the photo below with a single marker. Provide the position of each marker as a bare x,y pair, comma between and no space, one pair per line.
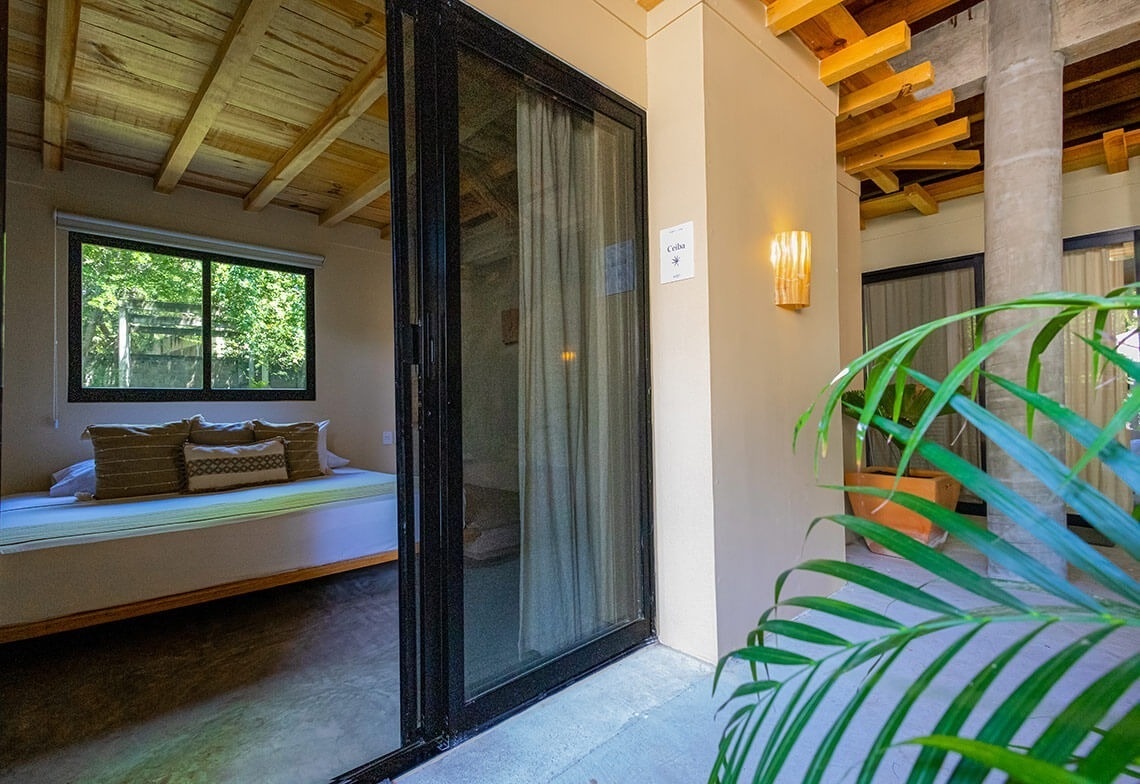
791,268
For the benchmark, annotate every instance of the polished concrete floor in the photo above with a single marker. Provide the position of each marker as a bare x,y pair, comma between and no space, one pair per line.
652,716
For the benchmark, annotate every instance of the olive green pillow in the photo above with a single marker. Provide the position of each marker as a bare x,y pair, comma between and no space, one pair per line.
302,456
133,460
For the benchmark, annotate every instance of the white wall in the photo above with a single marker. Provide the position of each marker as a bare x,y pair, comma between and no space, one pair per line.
1092,201
355,355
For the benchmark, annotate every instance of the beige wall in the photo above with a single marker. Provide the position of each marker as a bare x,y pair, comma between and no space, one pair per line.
353,319
1093,201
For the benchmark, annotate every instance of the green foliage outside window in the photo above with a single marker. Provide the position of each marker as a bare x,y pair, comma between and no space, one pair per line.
142,323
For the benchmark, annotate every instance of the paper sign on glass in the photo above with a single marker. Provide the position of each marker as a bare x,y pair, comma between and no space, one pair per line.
677,253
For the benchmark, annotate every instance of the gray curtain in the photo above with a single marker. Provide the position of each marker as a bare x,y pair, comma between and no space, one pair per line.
578,499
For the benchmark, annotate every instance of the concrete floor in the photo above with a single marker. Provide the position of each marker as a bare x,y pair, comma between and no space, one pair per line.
650,717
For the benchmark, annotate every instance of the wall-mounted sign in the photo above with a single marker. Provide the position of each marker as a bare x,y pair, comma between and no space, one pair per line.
677,253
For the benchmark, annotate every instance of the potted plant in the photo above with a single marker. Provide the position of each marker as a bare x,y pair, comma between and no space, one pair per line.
846,665
903,402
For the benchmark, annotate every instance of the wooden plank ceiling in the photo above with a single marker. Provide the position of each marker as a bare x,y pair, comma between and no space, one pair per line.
910,153
273,101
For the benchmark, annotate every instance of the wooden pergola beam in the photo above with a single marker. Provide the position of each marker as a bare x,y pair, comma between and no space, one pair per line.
364,194
783,15
1078,156
364,90
940,159
861,55
244,35
887,181
1115,151
60,37
920,199
851,135
885,90
915,143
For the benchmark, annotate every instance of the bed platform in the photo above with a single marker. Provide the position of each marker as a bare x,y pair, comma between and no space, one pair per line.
65,564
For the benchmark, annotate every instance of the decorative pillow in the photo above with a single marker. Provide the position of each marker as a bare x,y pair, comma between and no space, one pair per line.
237,465
302,455
220,433
76,478
135,460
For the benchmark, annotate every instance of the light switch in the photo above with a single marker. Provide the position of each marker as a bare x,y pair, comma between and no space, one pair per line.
388,439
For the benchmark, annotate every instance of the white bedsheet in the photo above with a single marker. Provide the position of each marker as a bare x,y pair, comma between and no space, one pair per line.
33,521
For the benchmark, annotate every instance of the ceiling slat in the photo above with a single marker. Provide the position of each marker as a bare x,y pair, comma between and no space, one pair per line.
61,33
913,144
853,135
861,55
250,22
364,89
367,192
883,14
940,159
783,15
886,90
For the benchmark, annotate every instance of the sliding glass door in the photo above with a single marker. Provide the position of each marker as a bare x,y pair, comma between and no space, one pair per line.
530,326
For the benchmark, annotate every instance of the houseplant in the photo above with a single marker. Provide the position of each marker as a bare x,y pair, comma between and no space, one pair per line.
903,403
797,664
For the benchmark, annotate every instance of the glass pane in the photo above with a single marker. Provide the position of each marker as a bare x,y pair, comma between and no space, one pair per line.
891,307
551,369
1098,270
258,328
142,319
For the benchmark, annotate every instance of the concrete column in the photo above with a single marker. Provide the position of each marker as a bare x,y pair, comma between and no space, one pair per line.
1023,227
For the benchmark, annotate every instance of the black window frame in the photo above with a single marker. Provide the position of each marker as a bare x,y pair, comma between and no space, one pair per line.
77,393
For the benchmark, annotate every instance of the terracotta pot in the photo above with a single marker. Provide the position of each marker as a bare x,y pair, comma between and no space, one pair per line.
932,485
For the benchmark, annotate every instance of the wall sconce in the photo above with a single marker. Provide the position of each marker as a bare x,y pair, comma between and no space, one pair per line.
791,266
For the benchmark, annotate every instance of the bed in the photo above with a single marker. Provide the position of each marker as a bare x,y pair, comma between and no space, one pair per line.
66,563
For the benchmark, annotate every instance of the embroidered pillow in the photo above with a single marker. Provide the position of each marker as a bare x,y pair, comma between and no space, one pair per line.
224,467
135,460
302,454
220,433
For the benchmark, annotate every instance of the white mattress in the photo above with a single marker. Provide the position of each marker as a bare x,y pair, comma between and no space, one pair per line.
32,521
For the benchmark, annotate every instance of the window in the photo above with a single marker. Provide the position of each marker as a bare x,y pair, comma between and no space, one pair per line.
152,322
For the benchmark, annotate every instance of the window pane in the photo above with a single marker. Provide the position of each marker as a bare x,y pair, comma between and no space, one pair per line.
141,321
258,328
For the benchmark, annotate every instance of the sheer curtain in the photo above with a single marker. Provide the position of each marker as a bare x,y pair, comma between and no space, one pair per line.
1093,271
891,307
576,318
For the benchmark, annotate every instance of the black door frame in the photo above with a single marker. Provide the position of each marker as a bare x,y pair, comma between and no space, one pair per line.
442,27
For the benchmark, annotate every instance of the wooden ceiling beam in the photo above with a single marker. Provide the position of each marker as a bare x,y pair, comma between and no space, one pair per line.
851,135
940,159
861,55
60,37
783,15
1115,151
367,192
1078,156
920,199
1103,66
887,181
913,144
364,90
245,33
649,5
886,90
883,14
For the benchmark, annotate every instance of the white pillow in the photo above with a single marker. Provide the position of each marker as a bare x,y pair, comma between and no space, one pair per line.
336,461
236,465
327,459
76,478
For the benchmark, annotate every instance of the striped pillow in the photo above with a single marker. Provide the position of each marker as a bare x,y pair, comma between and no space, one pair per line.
237,465
135,460
302,456
220,433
